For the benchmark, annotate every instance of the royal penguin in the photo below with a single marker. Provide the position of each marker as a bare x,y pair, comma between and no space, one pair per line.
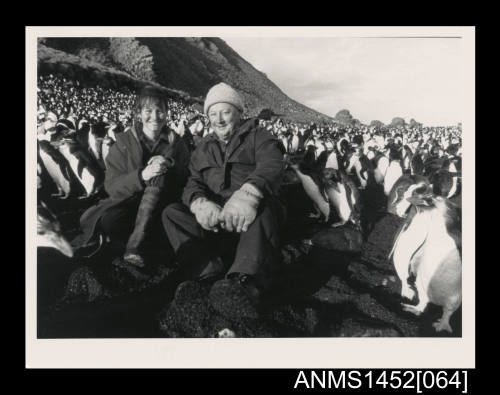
82,166
294,143
399,189
332,161
407,158
362,167
108,141
97,133
329,145
343,195
443,183
49,231
285,141
394,171
455,168
82,133
320,147
417,165
380,165
310,175
57,167
429,247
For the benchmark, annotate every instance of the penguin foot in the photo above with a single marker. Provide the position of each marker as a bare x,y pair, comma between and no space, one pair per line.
134,259
407,292
314,216
442,325
60,195
338,224
412,309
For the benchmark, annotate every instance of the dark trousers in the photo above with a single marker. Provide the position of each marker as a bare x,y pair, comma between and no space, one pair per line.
255,252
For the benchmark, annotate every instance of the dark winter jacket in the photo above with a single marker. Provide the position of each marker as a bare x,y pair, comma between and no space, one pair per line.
124,164
252,155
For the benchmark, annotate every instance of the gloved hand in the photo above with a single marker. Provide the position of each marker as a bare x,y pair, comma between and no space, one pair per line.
207,213
241,209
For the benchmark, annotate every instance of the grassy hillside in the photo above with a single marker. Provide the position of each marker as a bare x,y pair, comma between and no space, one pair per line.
190,65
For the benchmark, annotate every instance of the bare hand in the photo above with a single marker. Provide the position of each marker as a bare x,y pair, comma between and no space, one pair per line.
157,165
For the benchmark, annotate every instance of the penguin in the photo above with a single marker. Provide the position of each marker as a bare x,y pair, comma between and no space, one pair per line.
394,171
455,169
294,143
81,165
320,147
442,183
329,145
332,161
399,188
57,167
284,140
417,165
107,142
49,231
407,158
97,133
343,195
82,134
312,181
429,246
380,164
362,167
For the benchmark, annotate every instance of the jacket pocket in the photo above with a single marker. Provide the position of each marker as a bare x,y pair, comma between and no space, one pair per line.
243,156
202,164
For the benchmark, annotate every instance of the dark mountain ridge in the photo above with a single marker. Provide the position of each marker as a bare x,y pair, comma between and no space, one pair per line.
188,66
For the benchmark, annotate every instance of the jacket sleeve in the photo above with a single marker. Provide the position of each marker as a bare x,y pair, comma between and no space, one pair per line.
196,186
181,156
270,167
119,182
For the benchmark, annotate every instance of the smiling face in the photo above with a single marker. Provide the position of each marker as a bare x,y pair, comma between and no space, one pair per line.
224,118
153,116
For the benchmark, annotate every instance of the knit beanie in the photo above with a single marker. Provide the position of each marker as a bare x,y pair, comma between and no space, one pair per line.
223,93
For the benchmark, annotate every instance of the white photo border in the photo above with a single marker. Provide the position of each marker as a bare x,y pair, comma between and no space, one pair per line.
348,353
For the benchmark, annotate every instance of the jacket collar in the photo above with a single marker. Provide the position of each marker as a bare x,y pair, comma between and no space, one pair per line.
243,129
166,134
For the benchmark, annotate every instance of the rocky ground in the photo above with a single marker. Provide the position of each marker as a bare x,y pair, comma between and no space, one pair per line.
335,283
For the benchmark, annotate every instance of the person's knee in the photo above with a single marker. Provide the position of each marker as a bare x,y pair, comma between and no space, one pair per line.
267,216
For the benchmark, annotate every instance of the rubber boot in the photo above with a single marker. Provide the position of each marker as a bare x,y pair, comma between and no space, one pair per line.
148,203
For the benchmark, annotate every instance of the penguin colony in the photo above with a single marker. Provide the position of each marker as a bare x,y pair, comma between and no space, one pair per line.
421,182
419,172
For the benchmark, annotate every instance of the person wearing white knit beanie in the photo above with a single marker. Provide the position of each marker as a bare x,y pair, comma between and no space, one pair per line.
224,108
230,208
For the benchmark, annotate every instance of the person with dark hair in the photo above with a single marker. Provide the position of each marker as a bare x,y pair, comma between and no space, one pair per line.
226,232
146,170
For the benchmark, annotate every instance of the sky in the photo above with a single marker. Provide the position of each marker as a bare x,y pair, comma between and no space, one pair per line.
374,78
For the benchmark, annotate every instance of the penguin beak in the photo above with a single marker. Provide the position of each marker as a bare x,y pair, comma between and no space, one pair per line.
419,200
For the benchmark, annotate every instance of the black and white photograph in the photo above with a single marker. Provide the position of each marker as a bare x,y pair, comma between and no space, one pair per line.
255,187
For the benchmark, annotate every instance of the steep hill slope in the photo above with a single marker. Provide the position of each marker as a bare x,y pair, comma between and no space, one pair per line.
191,65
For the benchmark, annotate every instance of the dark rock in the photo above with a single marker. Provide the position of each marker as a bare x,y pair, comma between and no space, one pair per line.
343,238
295,320
379,244
370,307
336,291
83,284
191,314
232,300
372,278
352,328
